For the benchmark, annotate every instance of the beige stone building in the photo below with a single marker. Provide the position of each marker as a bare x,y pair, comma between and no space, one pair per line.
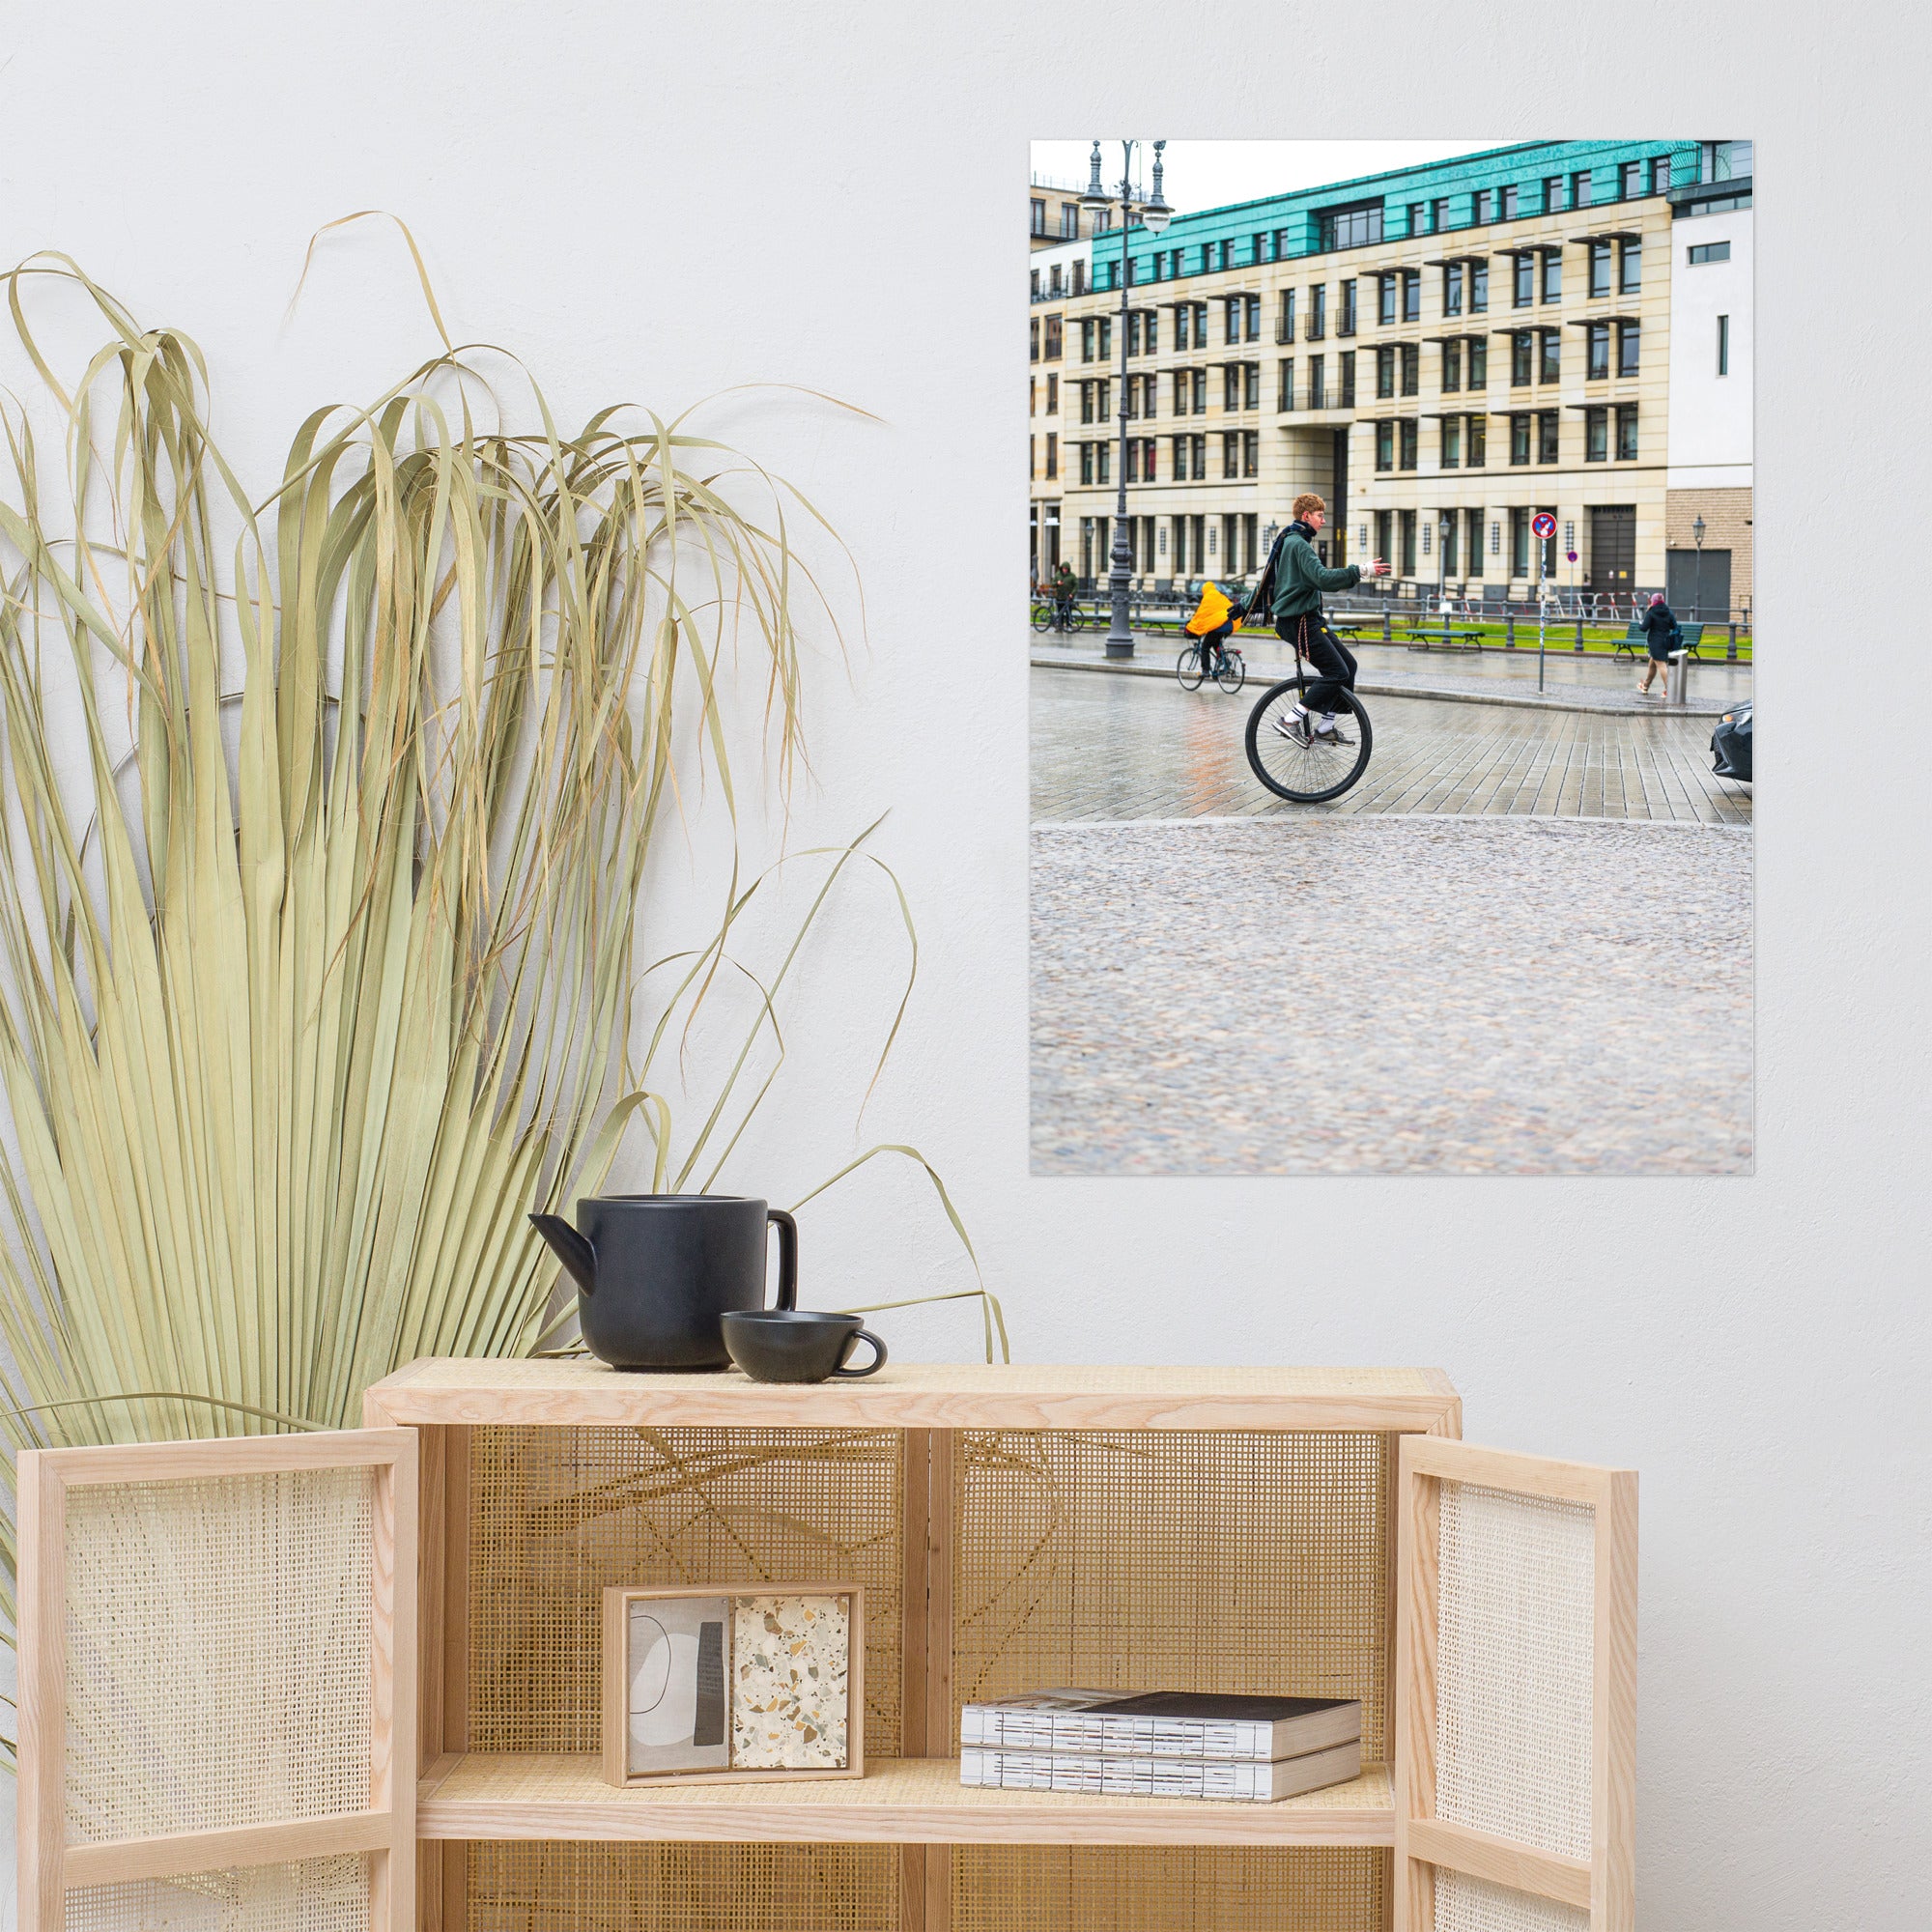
1442,352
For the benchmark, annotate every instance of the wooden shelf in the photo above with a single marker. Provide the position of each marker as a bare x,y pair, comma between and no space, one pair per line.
898,1802
581,1392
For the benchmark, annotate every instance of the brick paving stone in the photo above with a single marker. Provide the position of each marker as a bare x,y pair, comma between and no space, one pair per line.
1391,994
1125,747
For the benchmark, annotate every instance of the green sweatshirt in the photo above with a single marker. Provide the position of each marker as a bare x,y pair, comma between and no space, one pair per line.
1300,578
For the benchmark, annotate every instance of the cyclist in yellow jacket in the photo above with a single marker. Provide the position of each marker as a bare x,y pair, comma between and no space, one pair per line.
1215,618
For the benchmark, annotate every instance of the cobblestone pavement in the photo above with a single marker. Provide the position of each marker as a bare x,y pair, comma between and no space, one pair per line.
1391,995
1119,748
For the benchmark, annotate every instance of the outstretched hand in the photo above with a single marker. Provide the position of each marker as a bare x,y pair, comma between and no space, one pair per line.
1378,568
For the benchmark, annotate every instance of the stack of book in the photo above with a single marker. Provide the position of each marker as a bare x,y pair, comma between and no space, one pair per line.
1164,1743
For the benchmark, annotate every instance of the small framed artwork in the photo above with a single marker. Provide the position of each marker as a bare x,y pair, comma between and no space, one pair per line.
752,1685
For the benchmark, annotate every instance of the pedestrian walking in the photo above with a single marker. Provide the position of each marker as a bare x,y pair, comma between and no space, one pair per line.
1661,634
1217,617
1295,580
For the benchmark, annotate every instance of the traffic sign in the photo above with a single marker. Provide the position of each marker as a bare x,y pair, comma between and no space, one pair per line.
1571,554
1544,524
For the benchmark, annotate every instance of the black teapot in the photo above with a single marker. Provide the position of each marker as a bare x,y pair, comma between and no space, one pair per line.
655,1272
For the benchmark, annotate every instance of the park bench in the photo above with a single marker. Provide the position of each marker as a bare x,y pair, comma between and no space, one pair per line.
1632,644
1421,635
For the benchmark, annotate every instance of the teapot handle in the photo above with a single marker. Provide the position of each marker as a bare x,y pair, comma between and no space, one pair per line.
788,1258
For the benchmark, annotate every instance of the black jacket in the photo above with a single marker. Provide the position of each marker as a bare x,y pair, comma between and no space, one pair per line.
1659,621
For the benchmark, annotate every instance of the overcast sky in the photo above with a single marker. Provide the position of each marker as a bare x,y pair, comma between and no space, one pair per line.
1209,174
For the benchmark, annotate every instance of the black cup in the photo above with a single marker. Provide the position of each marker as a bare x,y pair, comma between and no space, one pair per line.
789,1345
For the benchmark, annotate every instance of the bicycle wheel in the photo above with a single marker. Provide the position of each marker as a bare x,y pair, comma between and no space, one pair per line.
1306,773
1042,616
1187,669
1077,618
1233,672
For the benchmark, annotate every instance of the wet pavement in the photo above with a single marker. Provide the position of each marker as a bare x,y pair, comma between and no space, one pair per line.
1107,748
1391,995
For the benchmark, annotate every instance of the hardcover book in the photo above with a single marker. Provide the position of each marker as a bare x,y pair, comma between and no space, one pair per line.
1230,1780
1162,1723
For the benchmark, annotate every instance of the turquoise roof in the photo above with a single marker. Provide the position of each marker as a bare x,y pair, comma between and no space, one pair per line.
1525,166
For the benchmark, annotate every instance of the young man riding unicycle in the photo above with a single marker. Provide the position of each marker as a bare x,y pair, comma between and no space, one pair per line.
1300,577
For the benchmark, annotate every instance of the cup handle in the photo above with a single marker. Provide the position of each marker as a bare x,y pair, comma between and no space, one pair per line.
872,1367
787,1257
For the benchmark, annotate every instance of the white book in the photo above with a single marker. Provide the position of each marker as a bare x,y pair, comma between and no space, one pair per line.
1230,1781
1162,1723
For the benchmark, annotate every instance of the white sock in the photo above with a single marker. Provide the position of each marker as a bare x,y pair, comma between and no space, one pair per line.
1327,720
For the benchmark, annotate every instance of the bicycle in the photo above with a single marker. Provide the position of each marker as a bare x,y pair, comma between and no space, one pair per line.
1230,676
1307,771
1049,617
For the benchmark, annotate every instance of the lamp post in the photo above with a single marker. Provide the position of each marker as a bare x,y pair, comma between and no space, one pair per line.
1442,529
1154,216
1697,598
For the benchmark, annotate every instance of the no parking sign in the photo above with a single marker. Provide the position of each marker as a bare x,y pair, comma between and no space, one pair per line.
1544,524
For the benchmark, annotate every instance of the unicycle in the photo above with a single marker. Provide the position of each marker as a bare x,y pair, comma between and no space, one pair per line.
1307,772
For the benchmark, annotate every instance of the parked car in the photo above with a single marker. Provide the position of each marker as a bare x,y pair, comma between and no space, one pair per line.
1731,745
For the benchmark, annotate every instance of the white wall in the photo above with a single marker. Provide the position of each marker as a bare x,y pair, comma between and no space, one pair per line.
658,201
1710,416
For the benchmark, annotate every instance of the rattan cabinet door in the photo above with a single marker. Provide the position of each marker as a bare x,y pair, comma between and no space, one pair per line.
1516,1693
217,1685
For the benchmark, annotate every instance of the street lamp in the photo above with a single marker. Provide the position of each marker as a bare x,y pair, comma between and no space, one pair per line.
1442,529
1697,599
1154,216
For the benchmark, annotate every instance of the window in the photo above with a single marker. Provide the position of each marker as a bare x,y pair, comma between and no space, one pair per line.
1147,448
1710,251
1519,440
1086,402
1438,215
1385,370
1251,306
1512,204
1080,279
1106,337
1411,368
1551,370
1484,208
1230,319
1032,468
1386,446
1411,295
1521,357
1385,300
1284,398
1069,221
1547,436
1087,340
1723,161
1600,269
1629,336
1522,281
1597,351
1052,456
1199,444
1230,454
1200,392
1258,248
1552,194
1519,541
1580,188
1452,288
1231,386
1318,311
1251,462
1384,534
1452,442
1626,438
1630,267
1033,351
1039,217
1179,459
1284,322
1133,331
1659,174
1103,455
1723,345
1476,449
1416,221
1317,398
1103,396
1552,275
1346,400
1033,387
1406,442
1281,245
1056,286
1086,463
1630,181
1452,365
1345,326
1348,227
1252,400
1479,288
1183,388
1478,362
1033,290
1405,553
1595,434
1053,395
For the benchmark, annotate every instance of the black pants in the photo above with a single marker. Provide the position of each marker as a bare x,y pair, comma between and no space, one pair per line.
1328,657
1210,648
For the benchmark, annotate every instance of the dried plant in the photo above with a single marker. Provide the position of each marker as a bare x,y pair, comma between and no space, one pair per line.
320,972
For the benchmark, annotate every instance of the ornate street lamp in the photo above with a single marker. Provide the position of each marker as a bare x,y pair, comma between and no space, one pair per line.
1154,216
1697,601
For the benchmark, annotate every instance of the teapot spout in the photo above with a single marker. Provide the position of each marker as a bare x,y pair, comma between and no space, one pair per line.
570,1248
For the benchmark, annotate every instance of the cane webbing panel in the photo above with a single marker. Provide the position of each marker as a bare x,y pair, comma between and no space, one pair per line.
1513,1667
1464,1904
218,1652
313,1895
1119,1889
531,1886
559,1513
1179,1560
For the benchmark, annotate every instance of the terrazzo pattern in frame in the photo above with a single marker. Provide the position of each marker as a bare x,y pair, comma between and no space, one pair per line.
791,1683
